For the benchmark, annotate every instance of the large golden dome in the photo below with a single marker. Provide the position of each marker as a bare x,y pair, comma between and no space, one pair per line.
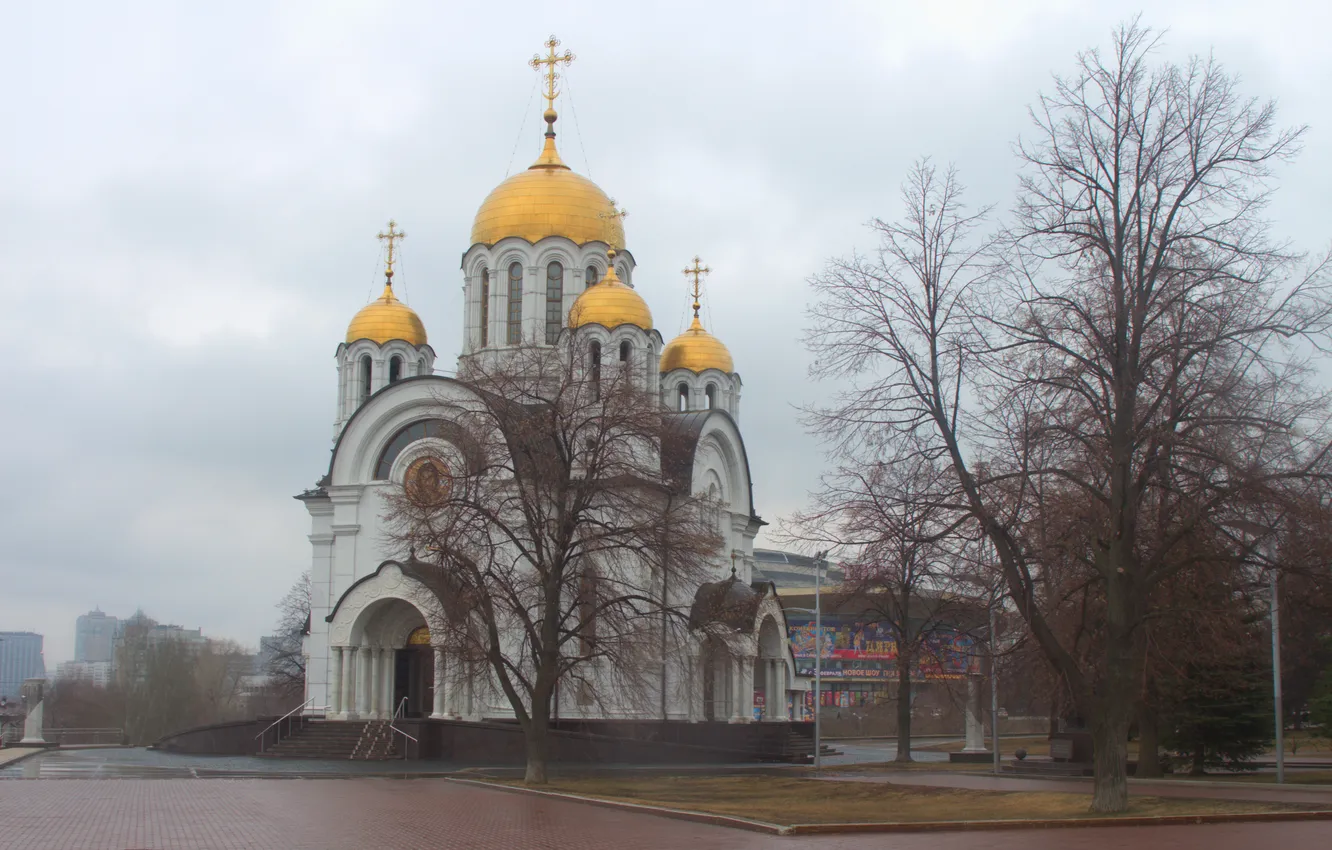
610,304
696,350
548,199
387,318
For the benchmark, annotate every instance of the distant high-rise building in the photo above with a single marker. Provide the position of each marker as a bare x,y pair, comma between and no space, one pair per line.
95,637
20,658
97,672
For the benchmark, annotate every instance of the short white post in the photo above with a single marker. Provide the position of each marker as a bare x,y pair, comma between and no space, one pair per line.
438,710
335,680
975,742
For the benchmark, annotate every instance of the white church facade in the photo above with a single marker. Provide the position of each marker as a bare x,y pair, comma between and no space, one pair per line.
547,254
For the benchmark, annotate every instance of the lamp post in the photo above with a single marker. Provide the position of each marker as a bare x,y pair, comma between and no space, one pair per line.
819,565
1276,682
994,690
818,660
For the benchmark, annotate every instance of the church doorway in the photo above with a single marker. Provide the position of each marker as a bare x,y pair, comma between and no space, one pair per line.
414,675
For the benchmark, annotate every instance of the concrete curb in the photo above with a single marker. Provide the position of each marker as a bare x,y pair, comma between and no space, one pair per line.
640,808
919,826
36,751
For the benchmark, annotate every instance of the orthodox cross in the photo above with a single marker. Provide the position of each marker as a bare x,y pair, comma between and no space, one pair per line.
615,214
392,236
551,75
697,272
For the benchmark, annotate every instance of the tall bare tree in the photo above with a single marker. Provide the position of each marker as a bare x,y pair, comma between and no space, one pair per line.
563,548
286,663
1131,354
902,556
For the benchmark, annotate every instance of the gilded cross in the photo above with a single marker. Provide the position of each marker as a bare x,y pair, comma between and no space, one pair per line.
615,214
697,272
551,75
392,236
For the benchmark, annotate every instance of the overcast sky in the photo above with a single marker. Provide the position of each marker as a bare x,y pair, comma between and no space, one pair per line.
189,198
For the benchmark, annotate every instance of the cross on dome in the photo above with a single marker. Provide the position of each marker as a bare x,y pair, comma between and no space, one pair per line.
549,62
392,236
698,273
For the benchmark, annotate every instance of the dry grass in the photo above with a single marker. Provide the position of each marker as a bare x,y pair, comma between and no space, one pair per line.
1293,777
785,800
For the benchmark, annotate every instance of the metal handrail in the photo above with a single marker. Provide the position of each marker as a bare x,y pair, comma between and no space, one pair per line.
300,707
396,713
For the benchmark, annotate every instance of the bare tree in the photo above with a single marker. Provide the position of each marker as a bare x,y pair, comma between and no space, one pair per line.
902,562
1130,357
286,663
563,549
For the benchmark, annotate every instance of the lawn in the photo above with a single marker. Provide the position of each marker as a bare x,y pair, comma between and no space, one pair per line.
787,800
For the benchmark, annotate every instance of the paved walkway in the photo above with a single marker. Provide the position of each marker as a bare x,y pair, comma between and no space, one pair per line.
255,814
1200,789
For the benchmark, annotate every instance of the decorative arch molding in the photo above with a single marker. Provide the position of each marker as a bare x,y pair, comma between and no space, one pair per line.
355,609
375,423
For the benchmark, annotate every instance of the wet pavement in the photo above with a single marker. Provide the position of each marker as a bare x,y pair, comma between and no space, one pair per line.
141,763
314,814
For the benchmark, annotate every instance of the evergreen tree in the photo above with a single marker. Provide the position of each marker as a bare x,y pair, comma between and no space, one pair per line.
1219,714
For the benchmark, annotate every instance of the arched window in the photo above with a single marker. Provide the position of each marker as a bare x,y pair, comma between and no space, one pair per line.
401,440
365,377
515,303
485,307
711,392
594,368
683,391
421,367
625,349
554,302
395,369
590,277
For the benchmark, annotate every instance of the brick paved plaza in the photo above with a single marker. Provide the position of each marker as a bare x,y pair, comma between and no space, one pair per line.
388,814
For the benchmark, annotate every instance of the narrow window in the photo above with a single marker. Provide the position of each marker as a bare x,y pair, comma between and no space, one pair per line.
683,390
711,392
625,348
594,367
395,369
485,307
421,367
554,302
590,277
365,377
515,303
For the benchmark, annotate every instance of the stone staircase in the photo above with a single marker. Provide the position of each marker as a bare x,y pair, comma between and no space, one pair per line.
377,742
337,739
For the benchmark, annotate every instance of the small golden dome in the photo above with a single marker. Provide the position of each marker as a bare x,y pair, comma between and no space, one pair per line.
610,304
548,199
696,350
387,318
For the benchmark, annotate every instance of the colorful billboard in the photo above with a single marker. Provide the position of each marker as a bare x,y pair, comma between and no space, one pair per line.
855,649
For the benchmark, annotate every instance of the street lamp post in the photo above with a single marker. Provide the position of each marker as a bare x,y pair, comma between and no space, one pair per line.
818,660
819,565
994,691
1276,682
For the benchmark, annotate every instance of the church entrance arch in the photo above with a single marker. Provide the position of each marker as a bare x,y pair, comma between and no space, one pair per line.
381,658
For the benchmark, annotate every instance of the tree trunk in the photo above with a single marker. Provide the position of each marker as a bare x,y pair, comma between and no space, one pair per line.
1149,736
903,708
1110,725
1199,767
538,750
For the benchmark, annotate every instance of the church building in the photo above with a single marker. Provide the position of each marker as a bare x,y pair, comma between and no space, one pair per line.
547,253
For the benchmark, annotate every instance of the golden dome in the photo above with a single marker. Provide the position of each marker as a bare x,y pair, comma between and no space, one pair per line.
387,318
610,304
548,199
696,350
